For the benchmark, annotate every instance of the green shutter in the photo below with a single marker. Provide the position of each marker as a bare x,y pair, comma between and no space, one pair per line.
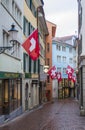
30,64
24,62
24,25
34,66
38,65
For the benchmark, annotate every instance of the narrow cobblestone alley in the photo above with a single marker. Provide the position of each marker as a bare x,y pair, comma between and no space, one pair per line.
60,115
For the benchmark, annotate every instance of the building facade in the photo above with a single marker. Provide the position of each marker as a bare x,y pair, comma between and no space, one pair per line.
11,69
32,70
81,53
64,54
48,62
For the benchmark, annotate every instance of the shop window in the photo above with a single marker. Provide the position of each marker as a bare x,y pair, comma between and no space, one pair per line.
14,94
0,97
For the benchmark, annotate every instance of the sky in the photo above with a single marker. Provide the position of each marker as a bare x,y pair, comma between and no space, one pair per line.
63,13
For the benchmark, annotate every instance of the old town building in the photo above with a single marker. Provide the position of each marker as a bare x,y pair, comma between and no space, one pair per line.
48,63
11,13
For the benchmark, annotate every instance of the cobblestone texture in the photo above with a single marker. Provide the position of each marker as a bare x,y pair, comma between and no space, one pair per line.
60,115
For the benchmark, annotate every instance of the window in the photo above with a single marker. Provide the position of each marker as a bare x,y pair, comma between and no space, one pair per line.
15,51
58,58
42,52
5,38
31,6
48,79
28,3
48,61
64,59
58,69
5,3
33,9
70,49
16,12
34,66
63,48
6,41
80,16
30,62
31,28
48,47
64,70
27,63
26,27
70,60
80,45
58,47
14,94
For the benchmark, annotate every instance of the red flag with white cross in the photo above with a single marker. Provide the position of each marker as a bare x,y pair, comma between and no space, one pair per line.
52,72
59,77
74,78
31,45
69,70
70,76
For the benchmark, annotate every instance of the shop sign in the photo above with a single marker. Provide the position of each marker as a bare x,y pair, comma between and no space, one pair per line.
9,75
27,75
35,76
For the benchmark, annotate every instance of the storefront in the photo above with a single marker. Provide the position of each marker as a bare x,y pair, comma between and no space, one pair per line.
66,89
10,92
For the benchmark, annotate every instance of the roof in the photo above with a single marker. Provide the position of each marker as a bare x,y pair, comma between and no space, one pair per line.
63,39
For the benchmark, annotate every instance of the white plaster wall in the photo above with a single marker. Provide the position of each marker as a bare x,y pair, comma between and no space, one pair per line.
7,20
8,63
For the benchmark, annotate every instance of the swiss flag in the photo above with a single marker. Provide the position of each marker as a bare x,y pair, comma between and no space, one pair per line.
31,45
52,72
74,78
59,77
69,69
70,76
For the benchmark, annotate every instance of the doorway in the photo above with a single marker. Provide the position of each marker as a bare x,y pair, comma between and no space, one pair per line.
26,96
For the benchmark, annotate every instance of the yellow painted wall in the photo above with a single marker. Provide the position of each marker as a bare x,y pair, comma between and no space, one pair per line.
28,14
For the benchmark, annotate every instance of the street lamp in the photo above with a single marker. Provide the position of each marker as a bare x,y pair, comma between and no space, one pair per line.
45,69
13,34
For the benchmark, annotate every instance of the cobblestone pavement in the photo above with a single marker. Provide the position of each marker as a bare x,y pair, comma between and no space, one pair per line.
60,115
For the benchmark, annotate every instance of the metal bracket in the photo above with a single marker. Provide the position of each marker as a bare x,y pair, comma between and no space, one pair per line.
2,49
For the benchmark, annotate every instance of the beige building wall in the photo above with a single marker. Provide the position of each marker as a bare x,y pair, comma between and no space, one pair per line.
33,92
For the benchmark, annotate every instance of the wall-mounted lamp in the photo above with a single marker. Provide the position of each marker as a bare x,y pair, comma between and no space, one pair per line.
46,68
13,33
